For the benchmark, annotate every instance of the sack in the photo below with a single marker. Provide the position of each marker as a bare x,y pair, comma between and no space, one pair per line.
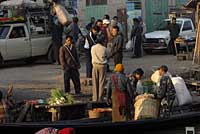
129,45
155,77
87,45
62,14
182,93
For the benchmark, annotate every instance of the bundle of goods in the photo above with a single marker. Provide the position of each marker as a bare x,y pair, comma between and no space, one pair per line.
146,107
182,93
59,97
62,14
99,112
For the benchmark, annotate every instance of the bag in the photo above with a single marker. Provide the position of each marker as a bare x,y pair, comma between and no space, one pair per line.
62,14
129,45
182,93
87,45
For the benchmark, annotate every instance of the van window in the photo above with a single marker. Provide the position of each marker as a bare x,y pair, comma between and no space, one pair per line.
187,26
4,31
17,32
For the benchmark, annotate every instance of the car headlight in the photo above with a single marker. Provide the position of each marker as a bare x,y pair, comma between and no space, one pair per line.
161,41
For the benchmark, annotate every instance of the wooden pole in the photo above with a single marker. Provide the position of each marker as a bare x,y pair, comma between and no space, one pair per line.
196,56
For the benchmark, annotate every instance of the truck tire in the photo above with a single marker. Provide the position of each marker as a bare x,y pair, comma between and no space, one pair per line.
50,55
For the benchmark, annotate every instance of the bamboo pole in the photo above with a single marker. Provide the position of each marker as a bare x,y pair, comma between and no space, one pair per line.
196,56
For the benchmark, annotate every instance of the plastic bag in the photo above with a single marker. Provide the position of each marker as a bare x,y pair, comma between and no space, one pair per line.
87,45
129,45
182,93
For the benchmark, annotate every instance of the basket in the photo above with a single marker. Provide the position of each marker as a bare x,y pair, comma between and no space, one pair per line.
146,107
99,112
93,114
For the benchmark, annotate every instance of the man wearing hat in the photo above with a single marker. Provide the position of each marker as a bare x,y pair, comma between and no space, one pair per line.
120,94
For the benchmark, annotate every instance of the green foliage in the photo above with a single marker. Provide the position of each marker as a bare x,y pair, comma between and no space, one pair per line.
148,86
58,96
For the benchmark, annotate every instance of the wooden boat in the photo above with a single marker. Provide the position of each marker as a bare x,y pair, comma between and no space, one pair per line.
84,126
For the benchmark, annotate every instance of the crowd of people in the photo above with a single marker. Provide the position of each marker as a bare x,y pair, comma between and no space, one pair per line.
105,40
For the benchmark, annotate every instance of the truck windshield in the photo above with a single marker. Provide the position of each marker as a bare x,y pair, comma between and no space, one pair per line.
4,31
164,25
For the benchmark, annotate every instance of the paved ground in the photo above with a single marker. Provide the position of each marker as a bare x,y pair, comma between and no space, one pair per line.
36,81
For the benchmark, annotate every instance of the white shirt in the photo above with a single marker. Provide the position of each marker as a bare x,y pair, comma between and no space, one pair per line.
99,54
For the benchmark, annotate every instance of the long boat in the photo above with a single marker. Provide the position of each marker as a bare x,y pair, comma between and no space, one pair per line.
173,125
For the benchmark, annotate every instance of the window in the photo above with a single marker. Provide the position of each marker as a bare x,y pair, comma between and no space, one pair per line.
4,31
96,2
17,32
187,26
137,4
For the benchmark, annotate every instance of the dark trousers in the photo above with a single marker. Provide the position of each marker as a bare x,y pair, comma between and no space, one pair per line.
138,47
75,76
118,58
56,48
89,64
172,48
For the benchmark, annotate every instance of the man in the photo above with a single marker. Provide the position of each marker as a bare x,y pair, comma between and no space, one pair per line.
174,30
166,91
73,30
116,19
89,42
120,94
91,24
117,46
99,61
70,64
135,78
136,37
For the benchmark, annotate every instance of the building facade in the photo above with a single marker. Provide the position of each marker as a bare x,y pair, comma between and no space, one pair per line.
154,11
98,8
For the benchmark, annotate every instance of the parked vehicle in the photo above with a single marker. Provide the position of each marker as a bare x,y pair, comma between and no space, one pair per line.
159,39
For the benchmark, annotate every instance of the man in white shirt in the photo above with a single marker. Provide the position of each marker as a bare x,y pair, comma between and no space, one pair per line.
99,61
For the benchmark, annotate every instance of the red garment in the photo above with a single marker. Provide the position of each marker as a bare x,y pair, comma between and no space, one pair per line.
66,131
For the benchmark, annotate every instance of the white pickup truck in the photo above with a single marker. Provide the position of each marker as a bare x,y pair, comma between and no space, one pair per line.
159,39
16,42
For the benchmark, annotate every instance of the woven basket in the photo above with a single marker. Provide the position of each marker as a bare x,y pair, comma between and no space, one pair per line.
100,112
146,107
94,114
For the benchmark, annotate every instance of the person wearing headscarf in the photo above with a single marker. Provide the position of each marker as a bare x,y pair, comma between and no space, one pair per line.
120,95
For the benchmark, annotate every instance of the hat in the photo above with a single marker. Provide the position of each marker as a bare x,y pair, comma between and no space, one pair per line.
119,68
106,21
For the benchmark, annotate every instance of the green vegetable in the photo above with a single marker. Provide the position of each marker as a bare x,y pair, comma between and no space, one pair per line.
58,96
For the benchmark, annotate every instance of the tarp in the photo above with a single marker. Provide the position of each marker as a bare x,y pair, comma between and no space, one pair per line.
17,3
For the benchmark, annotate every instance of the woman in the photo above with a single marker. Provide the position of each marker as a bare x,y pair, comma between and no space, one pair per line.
136,37
120,94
